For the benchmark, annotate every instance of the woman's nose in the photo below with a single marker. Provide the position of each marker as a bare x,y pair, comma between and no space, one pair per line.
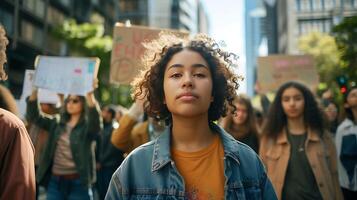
187,81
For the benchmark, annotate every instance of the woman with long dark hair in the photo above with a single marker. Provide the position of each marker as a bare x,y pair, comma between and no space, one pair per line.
298,152
67,165
241,124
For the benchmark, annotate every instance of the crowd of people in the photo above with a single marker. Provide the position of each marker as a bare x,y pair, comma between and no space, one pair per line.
188,135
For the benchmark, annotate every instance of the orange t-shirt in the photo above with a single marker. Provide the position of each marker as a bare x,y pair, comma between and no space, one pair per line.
203,171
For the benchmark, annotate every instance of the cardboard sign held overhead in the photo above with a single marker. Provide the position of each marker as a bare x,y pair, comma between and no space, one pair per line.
128,50
44,96
275,70
66,75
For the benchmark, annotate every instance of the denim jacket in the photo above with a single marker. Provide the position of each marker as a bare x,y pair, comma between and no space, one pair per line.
150,173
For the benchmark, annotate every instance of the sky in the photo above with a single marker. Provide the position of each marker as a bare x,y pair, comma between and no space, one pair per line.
226,18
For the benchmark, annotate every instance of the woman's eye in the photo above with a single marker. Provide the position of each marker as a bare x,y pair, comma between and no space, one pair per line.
176,75
200,75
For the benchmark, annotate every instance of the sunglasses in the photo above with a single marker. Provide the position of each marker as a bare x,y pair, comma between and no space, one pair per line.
71,100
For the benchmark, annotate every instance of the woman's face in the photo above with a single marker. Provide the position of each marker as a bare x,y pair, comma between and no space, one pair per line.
74,105
331,112
293,103
352,99
241,114
188,84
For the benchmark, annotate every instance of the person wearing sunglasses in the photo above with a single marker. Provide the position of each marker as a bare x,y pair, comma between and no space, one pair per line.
67,166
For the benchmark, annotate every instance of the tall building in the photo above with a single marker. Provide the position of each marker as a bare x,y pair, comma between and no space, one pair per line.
175,14
255,39
300,17
28,24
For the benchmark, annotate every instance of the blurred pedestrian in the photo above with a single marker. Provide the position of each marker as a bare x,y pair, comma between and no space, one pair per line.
39,136
67,167
109,157
242,124
296,148
133,132
187,84
331,111
328,95
346,144
17,169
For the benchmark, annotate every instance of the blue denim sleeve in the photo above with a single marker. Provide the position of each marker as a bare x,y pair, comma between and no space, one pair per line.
114,189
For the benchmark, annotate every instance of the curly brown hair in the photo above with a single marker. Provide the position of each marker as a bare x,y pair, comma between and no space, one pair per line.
149,84
3,43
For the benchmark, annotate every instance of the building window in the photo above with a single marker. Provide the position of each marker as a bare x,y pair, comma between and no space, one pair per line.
129,5
316,5
66,3
54,16
7,20
297,5
348,4
54,45
305,5
329,4
327,25
36,7
31,33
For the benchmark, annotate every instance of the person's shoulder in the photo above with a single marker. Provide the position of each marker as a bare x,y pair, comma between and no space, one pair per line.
9,121
346,124
138,162
141,154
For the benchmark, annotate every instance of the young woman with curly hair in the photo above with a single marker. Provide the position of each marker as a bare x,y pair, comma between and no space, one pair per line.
296,148
188,84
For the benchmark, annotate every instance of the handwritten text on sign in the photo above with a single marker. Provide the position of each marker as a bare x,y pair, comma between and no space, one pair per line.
66,75
275,70
128,49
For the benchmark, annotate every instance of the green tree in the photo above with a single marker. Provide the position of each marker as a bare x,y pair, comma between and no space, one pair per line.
345,34
88,39
325,53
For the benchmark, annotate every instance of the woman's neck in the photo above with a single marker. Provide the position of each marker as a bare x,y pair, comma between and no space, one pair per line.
74,119
296,126
190,134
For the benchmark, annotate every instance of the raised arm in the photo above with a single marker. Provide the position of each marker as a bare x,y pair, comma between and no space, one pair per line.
33,114
122,137
94,118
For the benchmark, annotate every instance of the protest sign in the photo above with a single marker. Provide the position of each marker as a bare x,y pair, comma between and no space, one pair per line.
44,96
275,70
66,75
128,49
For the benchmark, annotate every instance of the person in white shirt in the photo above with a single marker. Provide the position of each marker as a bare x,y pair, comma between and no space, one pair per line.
346,144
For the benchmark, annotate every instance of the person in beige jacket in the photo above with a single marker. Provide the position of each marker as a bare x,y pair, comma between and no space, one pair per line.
132,132
298,152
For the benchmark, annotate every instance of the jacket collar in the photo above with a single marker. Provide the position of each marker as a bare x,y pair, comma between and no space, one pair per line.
162,151
311,136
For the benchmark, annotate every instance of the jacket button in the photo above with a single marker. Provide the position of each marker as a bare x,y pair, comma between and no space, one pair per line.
321,184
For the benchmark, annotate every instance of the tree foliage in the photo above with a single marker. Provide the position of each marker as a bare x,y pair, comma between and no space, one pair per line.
89,39
325,52
345,34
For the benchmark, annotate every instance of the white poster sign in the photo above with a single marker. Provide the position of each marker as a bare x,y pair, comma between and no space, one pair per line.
44,96
66,75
